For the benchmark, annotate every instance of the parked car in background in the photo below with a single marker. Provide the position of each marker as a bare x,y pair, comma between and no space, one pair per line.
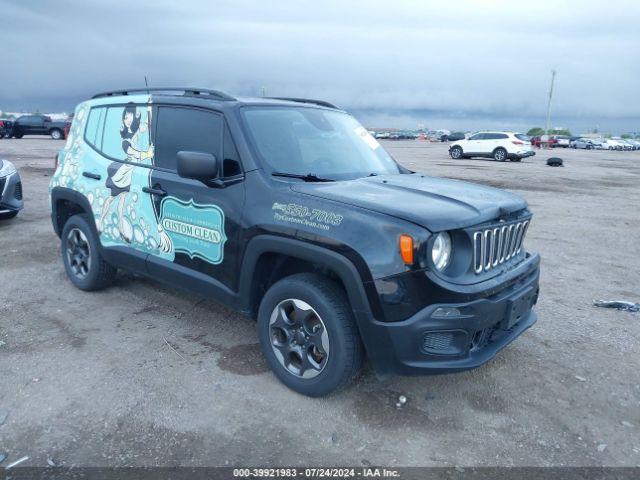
382,135
10,190
634,143
626,143
586,143
543,141
500,146
612,144
6,128
39,125
452,137
560,141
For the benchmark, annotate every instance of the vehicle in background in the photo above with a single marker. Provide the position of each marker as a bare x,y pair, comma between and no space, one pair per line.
586,144
543,141
500,146
612,144
6,128
39,125
10,190
634,143
382,135
560,141
626,144
452,137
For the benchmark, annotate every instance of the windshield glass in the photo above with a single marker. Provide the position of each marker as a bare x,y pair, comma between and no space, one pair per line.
325,143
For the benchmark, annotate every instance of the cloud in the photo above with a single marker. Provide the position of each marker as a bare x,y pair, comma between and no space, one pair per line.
468,60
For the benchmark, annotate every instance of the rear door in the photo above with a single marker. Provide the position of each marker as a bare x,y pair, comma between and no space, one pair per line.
200,223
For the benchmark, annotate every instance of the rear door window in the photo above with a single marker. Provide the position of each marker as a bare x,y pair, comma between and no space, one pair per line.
126,134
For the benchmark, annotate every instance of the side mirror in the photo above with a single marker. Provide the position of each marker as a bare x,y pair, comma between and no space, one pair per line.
197,165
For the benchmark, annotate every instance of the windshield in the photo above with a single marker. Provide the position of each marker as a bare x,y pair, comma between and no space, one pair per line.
325,143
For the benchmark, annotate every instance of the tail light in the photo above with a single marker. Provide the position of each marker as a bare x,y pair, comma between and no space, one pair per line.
517,142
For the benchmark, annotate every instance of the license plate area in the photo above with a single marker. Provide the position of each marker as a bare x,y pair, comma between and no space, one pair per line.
518,307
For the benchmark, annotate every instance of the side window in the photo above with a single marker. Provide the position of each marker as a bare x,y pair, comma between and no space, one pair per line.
126,133
93,130
231,163
477,136
186,129
501,135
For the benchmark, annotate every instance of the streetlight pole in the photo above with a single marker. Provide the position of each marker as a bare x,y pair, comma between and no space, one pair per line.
548,125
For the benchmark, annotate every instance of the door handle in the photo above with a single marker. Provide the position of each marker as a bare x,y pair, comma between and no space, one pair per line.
94,176
154,191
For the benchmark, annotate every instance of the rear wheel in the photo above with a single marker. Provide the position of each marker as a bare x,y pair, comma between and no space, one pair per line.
17,135
456,152
56,134
500,154
308,334
82,260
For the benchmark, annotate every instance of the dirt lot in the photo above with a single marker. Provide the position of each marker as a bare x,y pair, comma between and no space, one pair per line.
88,378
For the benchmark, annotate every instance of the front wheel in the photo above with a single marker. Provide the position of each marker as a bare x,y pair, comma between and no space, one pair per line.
500,154
308,334
82,260
456,153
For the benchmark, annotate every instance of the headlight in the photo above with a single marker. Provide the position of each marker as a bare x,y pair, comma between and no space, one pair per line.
441,251
6,168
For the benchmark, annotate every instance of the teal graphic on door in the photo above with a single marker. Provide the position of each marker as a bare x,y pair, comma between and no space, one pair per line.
196,230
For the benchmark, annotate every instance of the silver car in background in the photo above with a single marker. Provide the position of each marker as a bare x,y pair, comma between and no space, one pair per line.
10,190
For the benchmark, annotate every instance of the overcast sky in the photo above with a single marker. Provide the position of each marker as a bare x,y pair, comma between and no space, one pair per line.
456,65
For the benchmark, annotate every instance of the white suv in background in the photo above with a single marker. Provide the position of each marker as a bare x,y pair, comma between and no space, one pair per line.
500,146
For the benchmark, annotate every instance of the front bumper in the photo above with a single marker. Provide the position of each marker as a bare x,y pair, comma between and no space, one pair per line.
524,154
11,194
426,343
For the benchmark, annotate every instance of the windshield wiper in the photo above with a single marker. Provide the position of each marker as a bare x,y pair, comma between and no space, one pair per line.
309,177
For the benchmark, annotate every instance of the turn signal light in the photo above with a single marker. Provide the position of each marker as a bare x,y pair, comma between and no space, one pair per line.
406,249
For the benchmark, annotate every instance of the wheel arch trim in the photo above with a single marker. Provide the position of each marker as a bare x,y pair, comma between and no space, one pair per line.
340,265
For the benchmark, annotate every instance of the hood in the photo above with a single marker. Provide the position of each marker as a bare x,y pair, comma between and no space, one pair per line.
435,203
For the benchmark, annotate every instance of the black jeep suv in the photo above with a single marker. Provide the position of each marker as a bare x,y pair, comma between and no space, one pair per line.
291,212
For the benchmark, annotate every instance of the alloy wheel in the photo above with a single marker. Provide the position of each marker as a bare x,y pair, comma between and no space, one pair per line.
299,338
78,253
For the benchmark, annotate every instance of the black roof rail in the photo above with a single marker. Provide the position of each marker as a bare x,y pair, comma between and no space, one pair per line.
186,91
322,103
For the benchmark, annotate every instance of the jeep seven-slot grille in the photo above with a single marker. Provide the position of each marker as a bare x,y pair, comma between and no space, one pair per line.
497,244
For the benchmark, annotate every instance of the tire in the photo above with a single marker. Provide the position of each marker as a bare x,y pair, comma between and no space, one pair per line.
8,216
500,154
516,159
17,135
56,134
588,147
456,152
325,308
81,256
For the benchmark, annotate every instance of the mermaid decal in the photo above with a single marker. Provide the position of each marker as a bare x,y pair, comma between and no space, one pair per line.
119,175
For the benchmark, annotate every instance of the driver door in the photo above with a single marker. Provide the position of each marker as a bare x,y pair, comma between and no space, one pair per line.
202,222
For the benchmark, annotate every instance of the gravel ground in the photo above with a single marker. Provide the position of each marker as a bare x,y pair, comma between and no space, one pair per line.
140,374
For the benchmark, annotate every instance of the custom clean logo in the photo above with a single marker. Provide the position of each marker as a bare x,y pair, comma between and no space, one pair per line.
194,229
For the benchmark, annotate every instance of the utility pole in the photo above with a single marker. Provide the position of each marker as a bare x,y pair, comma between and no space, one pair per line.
264,91
548,125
